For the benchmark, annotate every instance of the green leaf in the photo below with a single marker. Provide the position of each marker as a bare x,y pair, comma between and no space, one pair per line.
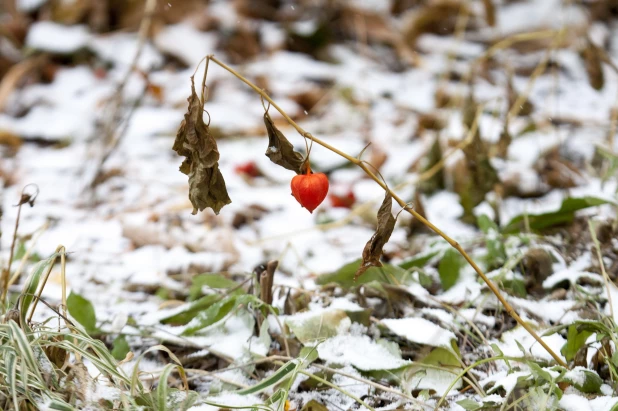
120,348
214,281
218,311
313,405
20,251
538,372
591,384
442,357
191,310
162,388
344,277
469,405
564,214
575,340
83,311
308,355
449,268
10,362
31,286
521,348
496,254
318,327
418,261
281,373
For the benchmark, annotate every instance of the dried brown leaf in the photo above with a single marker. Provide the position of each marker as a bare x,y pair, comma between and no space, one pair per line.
280,150
592,59
490,12
373,249
194,141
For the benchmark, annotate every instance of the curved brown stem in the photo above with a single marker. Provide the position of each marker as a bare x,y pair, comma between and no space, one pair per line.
508,307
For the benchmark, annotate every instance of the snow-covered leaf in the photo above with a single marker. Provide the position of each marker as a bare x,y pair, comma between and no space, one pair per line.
315,327
359,351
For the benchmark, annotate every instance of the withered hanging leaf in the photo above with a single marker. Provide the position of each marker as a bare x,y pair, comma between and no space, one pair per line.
194,141
591,56
490,12
280,150
373,249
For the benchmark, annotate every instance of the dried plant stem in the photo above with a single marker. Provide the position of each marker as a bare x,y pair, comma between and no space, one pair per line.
116,127
336,387
60,252
6,273
509,309
606,278
26,256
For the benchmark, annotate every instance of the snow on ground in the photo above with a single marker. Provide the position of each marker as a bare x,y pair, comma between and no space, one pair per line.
129,234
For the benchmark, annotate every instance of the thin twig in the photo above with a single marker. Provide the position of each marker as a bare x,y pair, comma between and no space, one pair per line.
509,309
331,385
597,246
26,255
62,252
111,135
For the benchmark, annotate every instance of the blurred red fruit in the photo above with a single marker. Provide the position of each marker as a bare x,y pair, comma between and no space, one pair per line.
249,169
343,201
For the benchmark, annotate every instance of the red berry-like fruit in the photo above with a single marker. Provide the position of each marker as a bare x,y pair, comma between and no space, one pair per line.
344,201
250,169
310,189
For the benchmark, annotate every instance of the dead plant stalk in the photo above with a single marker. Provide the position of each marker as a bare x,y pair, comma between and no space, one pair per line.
363,165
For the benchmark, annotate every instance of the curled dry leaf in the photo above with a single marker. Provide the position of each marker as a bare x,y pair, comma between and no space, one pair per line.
592,60
373,249
194,141
280,150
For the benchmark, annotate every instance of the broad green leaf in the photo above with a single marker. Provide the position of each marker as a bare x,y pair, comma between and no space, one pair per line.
442,357
538,372
564,214
120,348
191,310
312,329
575,340
83,311
344,277
449,268
313,405
218,311
418,261
469,405
308,355
591,381
214,281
